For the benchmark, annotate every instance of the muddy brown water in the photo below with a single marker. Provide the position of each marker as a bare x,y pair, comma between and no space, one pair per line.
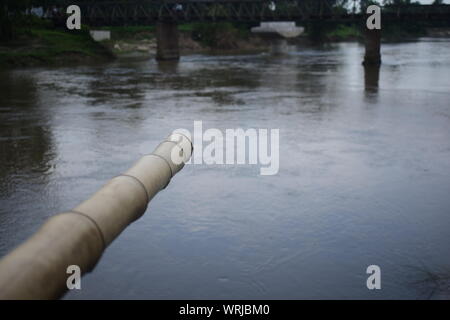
364,170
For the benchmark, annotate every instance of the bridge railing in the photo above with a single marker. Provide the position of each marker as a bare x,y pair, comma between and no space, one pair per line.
417,11
150,11
206,10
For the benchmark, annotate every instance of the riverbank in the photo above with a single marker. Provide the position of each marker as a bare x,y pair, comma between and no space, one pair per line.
51,46
228,37
397,32
193,38
42,44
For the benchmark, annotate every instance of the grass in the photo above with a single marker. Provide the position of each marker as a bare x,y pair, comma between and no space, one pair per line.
59,42
187,27
39,44
343,32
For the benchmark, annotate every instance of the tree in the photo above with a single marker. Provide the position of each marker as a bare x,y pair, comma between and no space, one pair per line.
8,11
12,13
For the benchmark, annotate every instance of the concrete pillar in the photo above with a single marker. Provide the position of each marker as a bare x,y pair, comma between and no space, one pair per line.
167,41
373,46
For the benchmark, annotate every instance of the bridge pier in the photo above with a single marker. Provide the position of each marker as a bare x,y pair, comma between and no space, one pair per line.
373,46
167,41
371,78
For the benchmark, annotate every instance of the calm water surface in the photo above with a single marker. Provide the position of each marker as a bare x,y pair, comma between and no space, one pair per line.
364,171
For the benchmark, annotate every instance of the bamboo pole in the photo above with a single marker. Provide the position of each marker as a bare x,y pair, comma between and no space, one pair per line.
37,269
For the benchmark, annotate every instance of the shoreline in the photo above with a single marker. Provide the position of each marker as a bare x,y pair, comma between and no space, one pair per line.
57,47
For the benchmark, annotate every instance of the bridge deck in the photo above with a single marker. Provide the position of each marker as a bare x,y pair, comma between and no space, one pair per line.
148,12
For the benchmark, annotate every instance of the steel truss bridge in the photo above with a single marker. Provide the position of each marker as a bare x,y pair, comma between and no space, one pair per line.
150,11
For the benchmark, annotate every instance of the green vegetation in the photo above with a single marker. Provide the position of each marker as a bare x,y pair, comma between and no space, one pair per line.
329,31
26,39
187,27
344,32
397,31
38,42
402,31
61,42
219,35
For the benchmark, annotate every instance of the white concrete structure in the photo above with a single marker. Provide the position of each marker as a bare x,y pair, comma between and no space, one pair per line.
100,35
284,29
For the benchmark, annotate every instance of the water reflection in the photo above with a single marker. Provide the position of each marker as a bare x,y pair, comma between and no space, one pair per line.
26,150
371,78
168,66
364,171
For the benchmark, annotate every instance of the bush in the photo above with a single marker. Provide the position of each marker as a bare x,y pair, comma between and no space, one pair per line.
343,32
215,35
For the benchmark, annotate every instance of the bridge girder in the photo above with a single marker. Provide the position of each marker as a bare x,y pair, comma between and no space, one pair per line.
150,12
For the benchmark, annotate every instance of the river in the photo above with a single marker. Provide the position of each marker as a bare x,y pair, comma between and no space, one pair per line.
364,173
